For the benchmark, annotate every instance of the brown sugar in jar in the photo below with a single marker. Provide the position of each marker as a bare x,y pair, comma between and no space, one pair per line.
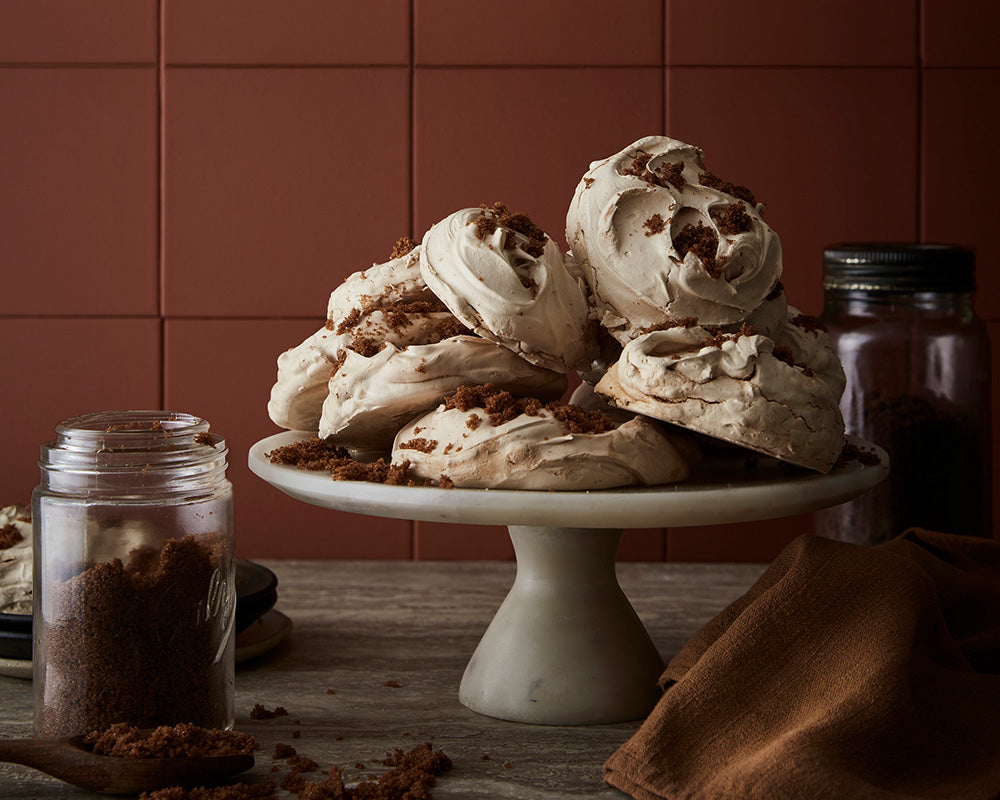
134,580
917,363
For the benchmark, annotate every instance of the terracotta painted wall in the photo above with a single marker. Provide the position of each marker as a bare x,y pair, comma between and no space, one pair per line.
182,183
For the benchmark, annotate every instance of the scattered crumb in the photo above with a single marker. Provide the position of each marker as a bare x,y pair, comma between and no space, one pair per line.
183,740
283,751
236,791
296,734
392,684
259,712
331,691
851,452
808,323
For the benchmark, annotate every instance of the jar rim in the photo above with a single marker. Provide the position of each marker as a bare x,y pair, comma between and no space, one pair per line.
898,266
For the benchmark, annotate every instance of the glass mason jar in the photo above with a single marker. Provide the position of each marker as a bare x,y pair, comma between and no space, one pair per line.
917,362
134,599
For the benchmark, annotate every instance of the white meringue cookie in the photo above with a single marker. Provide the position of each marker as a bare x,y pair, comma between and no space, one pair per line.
532,304
736,391
628,232
536,452
16,563
371,398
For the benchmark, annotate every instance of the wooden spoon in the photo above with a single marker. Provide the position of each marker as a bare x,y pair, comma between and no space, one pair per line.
69,759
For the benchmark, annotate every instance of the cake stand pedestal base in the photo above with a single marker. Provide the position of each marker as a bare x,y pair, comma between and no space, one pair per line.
566,646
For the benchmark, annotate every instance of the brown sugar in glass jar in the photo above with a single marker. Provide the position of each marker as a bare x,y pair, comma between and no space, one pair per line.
917,362
134,575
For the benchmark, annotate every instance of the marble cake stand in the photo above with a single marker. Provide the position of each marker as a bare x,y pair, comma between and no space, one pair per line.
566,647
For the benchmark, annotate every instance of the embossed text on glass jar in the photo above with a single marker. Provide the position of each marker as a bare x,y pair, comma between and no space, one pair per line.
134,575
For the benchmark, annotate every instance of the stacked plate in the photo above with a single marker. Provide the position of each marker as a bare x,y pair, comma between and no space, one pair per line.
259,627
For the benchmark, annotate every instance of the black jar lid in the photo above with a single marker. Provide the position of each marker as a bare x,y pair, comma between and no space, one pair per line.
899,267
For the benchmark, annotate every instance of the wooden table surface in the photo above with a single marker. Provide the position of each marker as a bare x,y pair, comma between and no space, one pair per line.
359,625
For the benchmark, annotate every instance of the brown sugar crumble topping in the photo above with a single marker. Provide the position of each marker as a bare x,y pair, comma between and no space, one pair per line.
318,455
703,241
420,444
588,182
776,292
784,353
206,439
497,216
671,322
501,406
808,323
403,245
731,219
668,174
9,536
184,740
740,192
654,225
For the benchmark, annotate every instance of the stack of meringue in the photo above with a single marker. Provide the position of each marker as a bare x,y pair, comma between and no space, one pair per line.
669,302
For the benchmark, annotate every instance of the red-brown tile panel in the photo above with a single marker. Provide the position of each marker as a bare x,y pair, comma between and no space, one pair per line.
70,31
279,183
223,370
961,117
278,32
832,153
960,33
524,32
78,194
442,541
643,545
59,368
791,33
739,542
530,140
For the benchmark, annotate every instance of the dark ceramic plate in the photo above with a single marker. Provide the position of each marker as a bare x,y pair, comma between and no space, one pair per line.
256,592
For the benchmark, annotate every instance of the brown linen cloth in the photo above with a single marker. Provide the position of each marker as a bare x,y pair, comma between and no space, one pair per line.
845,672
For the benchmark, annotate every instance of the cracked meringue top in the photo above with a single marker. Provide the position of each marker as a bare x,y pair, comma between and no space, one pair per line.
506,280
739,388
484,438
659,236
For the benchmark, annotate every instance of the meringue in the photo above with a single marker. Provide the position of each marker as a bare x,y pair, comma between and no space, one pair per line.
387,303
371,397
661,239
733,388
507,281
536,451
16,563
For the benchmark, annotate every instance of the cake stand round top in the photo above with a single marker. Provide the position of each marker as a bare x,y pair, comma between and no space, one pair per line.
727,488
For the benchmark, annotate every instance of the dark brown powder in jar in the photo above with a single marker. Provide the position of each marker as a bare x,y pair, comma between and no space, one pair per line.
141,642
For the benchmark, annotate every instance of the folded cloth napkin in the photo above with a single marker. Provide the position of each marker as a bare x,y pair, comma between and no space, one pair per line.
845,672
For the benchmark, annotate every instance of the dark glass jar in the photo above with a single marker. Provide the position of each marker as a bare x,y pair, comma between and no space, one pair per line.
917,363
134,598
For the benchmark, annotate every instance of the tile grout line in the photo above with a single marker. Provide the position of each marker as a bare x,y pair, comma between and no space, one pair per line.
160,170
414,531
919,46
